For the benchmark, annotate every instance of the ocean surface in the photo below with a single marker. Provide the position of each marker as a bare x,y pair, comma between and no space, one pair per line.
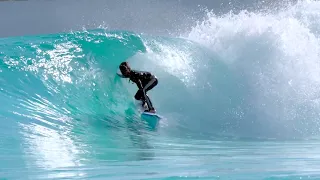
238,92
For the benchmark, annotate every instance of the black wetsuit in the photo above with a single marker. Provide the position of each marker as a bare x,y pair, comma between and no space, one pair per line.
145,82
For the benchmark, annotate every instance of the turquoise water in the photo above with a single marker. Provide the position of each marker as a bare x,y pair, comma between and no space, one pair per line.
238,93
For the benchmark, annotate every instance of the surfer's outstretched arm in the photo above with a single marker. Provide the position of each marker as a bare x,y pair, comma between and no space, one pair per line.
120,75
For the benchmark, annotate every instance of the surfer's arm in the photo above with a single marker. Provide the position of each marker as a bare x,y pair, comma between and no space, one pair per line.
120,75
139,84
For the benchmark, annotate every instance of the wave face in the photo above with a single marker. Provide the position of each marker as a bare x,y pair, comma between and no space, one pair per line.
229,83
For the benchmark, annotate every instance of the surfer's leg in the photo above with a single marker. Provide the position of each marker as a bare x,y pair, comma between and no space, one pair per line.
148,87
151,84
140,96
149,103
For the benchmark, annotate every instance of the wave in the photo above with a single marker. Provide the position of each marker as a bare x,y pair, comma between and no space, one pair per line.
245,76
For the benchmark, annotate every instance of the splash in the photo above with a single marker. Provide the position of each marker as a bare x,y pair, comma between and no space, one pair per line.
276,56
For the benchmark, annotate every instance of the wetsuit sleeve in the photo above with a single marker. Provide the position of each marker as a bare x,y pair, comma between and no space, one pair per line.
135,77
139,84
120,75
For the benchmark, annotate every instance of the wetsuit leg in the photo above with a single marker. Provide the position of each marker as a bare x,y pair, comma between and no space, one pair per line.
149,86
153,82
139,95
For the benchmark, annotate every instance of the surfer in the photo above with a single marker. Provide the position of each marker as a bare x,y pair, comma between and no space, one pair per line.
144,80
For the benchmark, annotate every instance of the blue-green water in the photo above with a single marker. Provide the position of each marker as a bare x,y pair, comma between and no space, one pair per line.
238,93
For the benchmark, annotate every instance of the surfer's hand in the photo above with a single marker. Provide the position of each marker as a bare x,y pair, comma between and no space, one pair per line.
120,75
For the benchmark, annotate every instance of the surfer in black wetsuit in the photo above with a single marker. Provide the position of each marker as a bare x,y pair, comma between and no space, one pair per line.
144,80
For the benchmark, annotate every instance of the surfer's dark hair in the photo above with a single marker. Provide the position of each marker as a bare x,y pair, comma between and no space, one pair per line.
123,66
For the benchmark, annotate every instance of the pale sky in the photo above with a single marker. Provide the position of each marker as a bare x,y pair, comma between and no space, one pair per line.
157,16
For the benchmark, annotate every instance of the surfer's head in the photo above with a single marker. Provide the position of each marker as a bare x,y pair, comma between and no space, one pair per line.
125,69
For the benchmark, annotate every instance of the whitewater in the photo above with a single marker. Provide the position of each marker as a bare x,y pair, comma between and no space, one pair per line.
239,94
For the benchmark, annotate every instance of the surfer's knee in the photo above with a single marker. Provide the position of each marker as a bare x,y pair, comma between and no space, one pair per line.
138,95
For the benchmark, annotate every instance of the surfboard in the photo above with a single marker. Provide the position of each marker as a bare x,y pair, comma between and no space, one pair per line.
147,114
152,119
153,115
